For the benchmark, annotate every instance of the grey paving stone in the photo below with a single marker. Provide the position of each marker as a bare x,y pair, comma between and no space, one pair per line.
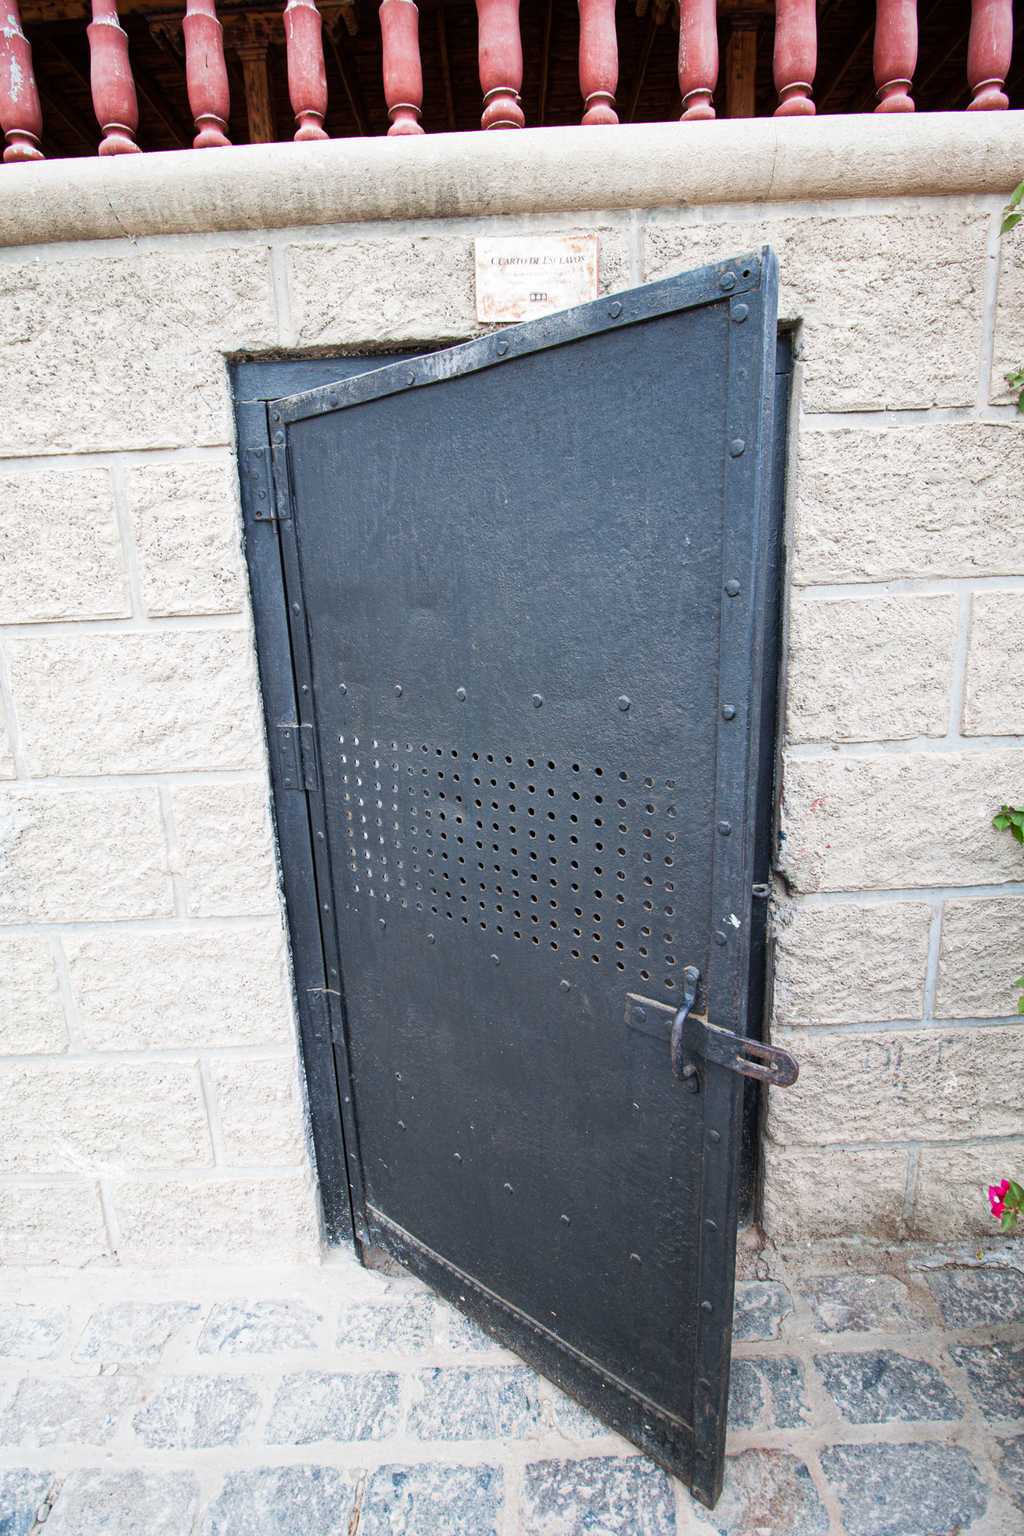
21,1493
100,1503
55,1410
189,1412
905,1490
401,1328
767,1394
432,1501
605,1495
1010,1456
996,1375
862,1304
882,1386
259,1328
969,1298
134,1332
334,1405
463,1334
485,1403
767,1492
31,1333
573,1419
760,1309
283,1501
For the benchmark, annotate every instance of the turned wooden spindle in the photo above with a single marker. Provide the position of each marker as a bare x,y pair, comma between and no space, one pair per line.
501,63
307,77
403,72
895,54
989,47
796,56
113,89
206,74
698,58
599,61
21,117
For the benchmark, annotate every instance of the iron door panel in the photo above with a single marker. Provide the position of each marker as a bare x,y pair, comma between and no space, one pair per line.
529,575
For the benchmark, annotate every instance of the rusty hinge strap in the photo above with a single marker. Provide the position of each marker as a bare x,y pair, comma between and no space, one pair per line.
282,476
257,484
296,756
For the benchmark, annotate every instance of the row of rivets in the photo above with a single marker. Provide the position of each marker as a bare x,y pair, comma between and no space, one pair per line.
623,702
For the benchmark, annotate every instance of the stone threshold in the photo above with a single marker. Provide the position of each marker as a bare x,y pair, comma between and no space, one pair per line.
539,170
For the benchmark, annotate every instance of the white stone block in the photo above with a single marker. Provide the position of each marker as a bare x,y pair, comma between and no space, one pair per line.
186,523
62,555
31,1009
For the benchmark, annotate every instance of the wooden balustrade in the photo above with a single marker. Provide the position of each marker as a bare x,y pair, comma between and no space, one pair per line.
989,47
20,115
698,58
895,56
796,56
206,75
113,89
403,72
307,76
599,61
252,34
501,63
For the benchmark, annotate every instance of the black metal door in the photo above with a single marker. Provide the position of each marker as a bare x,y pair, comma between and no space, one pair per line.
530,595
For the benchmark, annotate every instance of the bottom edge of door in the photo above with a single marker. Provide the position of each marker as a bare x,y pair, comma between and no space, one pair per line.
665,1439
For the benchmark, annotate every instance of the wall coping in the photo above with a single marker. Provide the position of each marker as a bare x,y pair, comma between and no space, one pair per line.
540,170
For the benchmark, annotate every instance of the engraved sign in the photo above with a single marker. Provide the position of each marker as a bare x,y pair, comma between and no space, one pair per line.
522,276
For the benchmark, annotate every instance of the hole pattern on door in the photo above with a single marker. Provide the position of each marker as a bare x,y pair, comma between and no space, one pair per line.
576,858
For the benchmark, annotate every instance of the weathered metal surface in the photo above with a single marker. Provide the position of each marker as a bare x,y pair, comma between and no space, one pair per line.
521,277
522,787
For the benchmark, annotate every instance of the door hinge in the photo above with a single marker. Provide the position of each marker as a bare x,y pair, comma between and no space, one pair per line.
282,478
258,486
296,757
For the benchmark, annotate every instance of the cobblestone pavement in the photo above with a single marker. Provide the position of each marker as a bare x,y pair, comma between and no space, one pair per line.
874,1394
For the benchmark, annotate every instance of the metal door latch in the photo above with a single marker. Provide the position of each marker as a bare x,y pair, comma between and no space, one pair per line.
694,1037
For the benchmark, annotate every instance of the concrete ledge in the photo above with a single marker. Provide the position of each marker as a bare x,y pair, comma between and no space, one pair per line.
660,165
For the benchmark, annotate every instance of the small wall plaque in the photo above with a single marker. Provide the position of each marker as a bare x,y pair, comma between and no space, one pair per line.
522,276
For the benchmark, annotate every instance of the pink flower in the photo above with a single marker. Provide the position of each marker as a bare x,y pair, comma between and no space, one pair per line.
996,1197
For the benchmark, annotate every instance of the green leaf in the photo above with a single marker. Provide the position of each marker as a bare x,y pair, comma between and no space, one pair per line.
1020,1005
1015,1194
1001,822
1016,196
1017,832
1008,1221
1010,222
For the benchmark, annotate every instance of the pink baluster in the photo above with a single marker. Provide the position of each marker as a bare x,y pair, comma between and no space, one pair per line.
307,78
698,58
206,76
113,89
988,54
501,63
599,61
895,54
796,56
403,72
20,115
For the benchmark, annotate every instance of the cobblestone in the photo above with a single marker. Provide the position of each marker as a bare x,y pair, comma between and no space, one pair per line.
905,1490
21,1493
323,1405
761,1308
494,1402
969,1298
306,1400
31,1333
881,1386
282,1501
861,1304
134,1331
404,1328
767,1394
428,1500
195,1412
609,1494
259,1328
996,1375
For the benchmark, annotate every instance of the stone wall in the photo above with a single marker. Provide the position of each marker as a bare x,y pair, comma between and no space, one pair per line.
149,1086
